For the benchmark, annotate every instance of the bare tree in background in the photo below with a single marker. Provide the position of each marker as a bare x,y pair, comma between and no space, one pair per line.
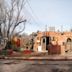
11,17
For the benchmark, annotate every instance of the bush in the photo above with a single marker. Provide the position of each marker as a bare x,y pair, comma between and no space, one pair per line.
16,49
4,52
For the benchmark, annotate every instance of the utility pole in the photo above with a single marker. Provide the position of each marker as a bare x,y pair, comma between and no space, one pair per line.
0,33
0,29
46,36
61,28
45,30
32,41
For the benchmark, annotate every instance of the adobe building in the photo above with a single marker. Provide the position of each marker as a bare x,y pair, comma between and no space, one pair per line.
44,39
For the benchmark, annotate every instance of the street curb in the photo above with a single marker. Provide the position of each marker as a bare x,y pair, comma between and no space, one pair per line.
52,58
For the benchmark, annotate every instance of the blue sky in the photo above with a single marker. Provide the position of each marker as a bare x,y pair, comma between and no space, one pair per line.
56,13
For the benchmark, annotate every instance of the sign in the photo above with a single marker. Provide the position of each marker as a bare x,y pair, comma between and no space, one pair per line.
39,48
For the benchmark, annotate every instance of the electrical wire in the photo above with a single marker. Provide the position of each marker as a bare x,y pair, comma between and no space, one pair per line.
34,16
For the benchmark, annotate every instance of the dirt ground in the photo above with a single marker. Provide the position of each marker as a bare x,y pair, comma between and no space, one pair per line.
26,67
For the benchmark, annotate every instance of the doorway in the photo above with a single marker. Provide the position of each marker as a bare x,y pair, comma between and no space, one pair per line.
47,42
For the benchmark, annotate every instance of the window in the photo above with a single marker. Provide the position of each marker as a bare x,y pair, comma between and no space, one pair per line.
53,38
68,40
63,43
43,40
62,33
37,38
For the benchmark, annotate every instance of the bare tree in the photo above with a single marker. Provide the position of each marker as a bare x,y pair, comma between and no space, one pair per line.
13,17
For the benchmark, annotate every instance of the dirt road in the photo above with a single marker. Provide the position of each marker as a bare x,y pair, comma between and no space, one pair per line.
26,66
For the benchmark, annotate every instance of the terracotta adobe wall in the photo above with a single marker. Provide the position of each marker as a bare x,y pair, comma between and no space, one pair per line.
59,38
